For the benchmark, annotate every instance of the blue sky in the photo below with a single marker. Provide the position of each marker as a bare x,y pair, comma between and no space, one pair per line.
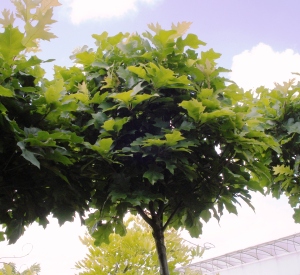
258,39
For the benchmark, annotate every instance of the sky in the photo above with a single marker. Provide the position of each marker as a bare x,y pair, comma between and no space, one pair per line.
259,41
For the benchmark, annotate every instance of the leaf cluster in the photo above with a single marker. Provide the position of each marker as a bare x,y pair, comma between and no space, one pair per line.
281,106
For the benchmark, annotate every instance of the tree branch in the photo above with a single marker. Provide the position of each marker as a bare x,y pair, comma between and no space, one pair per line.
161,208
171,216
152,210
144,215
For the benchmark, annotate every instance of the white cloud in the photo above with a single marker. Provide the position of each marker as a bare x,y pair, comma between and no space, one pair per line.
262,66
102,9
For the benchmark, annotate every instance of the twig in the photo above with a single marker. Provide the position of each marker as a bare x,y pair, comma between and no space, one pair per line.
171,216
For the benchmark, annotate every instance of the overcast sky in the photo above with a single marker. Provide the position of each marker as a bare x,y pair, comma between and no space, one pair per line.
259,41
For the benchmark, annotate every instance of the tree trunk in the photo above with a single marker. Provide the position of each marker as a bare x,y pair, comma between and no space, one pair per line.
156,223
158,235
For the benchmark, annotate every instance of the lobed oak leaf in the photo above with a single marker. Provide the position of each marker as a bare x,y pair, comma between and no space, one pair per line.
48,4
282,169
41,30
24,7
172,139
8,18
181,28
155,28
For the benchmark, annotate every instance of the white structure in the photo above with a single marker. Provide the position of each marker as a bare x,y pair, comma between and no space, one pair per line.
278,257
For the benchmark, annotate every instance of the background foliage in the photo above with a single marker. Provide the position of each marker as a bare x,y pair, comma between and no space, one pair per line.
10,269
135,253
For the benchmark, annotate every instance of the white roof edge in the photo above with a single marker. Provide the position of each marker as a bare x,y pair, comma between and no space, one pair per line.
278,247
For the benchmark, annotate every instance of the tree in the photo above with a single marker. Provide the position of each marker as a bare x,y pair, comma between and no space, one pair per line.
281,109
135,252
142,124
167,138
10,269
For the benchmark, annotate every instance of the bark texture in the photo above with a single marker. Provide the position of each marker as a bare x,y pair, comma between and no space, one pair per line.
158,234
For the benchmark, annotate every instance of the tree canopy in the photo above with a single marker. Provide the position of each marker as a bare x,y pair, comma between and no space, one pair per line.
143,123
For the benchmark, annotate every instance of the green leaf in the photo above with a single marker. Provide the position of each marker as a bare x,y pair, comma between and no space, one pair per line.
282,169
211,55
14,230
40,30
230,207
54,91
140,98
153,174
296,215
99,98
63,214
153,142
139,71
85,58
173,138
98,120
3,110
255,186
11,43
101,234
6,92
205,215
124,97
164,77
102,146
28,155
119,227
293,127
262,172
105,145
216,114
170,166
57,156
28,63
163,37
114,125
294,200
196,229
2,238
191,40
194,107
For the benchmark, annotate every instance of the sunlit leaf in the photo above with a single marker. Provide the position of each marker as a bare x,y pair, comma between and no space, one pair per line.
6,92
195,108
11,43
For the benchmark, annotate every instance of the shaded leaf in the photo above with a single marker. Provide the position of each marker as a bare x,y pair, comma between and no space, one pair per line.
153,174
